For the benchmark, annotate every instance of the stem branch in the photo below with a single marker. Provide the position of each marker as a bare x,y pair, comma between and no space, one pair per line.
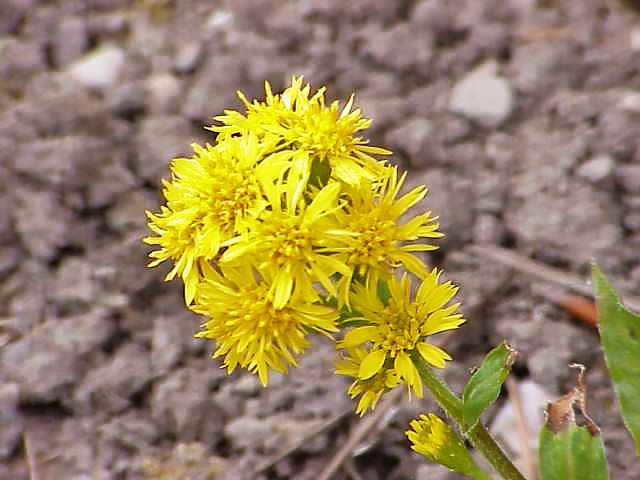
478,435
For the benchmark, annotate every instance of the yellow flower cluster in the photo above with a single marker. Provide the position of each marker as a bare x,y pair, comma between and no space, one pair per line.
287,224
432,437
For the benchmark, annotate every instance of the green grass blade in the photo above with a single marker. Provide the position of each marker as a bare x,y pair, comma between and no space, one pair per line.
620,337
484,385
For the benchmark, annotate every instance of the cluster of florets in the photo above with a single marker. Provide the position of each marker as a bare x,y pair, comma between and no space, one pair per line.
287,224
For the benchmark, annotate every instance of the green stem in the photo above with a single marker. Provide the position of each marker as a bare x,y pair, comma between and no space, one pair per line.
480,475
478,435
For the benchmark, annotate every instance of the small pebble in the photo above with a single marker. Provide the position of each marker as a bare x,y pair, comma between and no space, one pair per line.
628,176
596,169
634,39
483,96
631,103
188,58
99,68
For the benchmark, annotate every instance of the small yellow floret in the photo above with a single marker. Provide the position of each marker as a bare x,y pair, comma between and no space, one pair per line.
306,129
394,329
248,328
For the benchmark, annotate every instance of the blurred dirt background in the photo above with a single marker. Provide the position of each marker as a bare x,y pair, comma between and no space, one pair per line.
521,116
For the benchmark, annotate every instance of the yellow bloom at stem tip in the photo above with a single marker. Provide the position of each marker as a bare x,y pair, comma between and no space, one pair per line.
289,241
306,129
428,435
207,198
432,437
371,388
393,330
285,219
373,240
248,328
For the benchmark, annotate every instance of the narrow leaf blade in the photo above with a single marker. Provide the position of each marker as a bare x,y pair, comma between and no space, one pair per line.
484,385
620,337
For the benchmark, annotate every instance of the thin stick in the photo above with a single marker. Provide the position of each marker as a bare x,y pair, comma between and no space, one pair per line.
32,463
524,431
364,427
293,448
478,435
544,272
352,471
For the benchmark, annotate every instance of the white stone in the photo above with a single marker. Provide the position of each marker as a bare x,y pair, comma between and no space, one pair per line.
164,93
99,68
630,102
634,39
483,96
218,20
188,57
505,424
596,169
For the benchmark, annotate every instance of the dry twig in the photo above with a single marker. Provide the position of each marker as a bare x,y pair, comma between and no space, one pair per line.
361,430
293,448
544,272
524,431
34,473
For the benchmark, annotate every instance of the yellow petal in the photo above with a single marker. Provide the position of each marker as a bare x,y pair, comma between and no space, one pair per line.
404,367
432,354
359,335
371,364
283,285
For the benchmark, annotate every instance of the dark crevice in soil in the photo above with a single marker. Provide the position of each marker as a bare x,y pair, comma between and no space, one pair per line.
449,38
144,297
120,337
376,461
140,399
224,448
43,409
71,250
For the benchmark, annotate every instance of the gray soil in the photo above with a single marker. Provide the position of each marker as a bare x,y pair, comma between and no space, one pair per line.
521,116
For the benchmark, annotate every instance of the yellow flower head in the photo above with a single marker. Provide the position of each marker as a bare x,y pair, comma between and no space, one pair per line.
396,328
432,437
372,388
287,211
207,198
428,435
307,129
289,241
373,239
247,327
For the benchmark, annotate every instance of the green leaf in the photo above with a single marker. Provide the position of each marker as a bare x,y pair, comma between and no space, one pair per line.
620,337
320,172
574,453
384,293
484,385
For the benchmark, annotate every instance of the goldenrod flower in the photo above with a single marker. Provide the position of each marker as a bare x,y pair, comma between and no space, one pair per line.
248,328
287,211
395,328
289,241
373,239
306,129
429,435
209,194
432,437
372,388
